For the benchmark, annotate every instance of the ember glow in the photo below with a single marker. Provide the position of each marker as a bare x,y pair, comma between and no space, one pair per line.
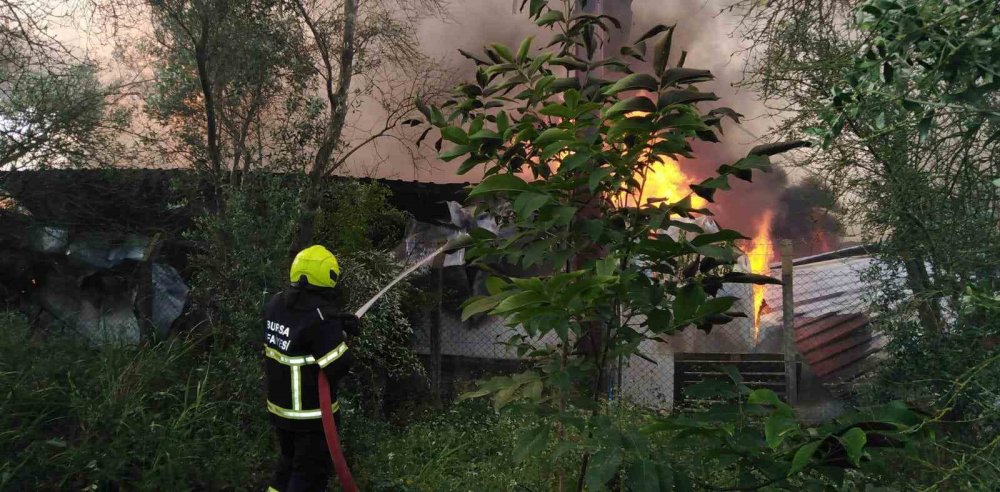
760,255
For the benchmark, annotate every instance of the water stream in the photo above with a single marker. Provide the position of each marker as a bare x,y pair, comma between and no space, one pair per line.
452,244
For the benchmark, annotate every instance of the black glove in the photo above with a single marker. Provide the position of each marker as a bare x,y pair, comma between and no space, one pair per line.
351,324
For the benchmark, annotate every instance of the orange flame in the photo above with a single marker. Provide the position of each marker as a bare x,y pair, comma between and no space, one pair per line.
760,255
663,180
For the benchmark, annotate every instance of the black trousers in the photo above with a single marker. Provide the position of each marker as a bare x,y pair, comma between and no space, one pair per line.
304,465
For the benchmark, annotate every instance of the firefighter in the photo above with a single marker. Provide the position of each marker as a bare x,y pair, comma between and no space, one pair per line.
305,332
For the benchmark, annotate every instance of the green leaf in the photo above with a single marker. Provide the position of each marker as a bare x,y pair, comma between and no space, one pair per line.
659,319
456,151
661,52
455,134
535,7
715,306
637,103
606,266
556,110
880,121
576,160
643,477
495,285
479,393
503,51
633,82
854,441
777,427
763,397
550,17
531,442
518,301
724,254
502,123
478,305
724,235
678,76
533,390
551,135
686,303
803,456
498,183
996,182
778,148
685,96
597,176
505,395
657,29
522,52
422,107
603,466
527,203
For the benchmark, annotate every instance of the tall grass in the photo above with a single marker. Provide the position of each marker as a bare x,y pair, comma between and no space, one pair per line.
171,416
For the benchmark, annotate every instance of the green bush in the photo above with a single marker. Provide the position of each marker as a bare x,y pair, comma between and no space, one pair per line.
384,351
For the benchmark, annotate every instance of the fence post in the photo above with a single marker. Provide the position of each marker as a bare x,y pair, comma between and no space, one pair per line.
436,320
788,324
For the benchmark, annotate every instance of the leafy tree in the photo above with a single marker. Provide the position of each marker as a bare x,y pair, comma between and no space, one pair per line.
53,108
226,72
904,96
886,85
565,156
359,50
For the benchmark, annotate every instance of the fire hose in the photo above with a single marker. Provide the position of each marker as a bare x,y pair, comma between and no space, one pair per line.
325,400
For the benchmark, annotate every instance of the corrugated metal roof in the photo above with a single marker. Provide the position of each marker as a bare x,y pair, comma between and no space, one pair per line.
832,327
836,345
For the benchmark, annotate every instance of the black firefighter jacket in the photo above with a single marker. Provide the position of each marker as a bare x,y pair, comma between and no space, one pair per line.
304,333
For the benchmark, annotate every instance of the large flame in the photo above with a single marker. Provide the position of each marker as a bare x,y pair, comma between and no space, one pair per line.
663,180
760,254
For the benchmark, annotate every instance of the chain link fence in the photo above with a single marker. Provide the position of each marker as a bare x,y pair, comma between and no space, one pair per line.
830,331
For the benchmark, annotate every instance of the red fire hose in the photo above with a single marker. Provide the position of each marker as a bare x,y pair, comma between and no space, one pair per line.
332,440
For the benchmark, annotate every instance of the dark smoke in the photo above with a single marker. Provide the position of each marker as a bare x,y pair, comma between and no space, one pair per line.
807,215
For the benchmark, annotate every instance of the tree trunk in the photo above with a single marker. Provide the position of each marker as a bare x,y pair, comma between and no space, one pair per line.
321,168
212,131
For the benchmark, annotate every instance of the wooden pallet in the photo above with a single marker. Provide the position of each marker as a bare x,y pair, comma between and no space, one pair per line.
757,370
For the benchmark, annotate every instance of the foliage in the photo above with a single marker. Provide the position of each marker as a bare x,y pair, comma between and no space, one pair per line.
355,216
955,376
384,351
616,276
57,118
169,416
926,57
904,96
243,256
227,74
465,447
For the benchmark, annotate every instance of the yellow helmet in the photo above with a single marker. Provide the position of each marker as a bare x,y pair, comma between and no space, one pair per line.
318,265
